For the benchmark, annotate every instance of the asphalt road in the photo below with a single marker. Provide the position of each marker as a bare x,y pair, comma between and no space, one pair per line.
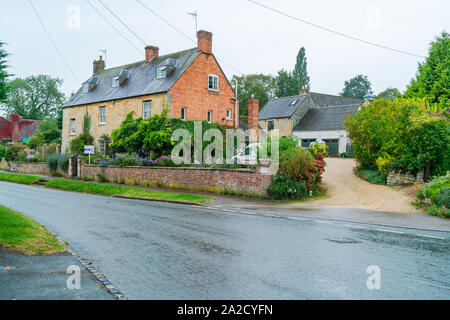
161,251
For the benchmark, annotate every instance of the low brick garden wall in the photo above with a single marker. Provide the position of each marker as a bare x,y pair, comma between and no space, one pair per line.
240,181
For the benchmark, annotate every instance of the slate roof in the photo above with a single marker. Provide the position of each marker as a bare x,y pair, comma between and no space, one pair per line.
326,119
327,100
141,80
281,107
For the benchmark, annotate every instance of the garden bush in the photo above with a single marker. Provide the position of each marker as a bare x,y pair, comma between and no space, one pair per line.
406,132
438,192
63,162
443,198
16,152
285,188
373,176
52,162
319,148
2,151
302,166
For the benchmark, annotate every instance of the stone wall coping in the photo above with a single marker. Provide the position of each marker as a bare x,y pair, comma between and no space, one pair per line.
27,162
172,168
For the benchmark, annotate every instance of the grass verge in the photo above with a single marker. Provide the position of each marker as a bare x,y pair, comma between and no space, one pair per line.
19,178
113,190
25,235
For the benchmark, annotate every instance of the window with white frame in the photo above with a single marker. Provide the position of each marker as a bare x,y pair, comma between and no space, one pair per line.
228,114
102,115
102,146
210,116
161,72
85,87
213,82
115,82
147,109
72,126
183,114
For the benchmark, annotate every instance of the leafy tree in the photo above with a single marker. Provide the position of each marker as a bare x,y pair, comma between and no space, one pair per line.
254,86
432,80
286,84
357,87
35,97
3,73
402,134
50,131
389,93
300,72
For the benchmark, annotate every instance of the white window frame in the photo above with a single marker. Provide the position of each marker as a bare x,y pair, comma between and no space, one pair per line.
72,127
102,117
183,114
213,82
101,146
115,82
228,114
161,72
146,113
85,87
210,115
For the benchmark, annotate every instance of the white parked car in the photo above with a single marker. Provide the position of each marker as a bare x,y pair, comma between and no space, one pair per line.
248,155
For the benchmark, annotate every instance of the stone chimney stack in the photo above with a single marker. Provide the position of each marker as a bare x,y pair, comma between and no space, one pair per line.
303,91
99,65
204,41
253,112
150,52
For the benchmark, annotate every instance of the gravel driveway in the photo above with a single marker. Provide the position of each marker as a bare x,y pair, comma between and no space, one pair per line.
348,190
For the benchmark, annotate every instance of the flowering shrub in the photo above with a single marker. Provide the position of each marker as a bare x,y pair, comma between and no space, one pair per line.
301,166
435,195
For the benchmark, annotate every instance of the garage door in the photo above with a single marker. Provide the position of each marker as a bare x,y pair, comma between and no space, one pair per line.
333,147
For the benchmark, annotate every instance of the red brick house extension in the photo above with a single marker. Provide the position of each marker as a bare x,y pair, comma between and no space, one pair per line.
191,80
16,130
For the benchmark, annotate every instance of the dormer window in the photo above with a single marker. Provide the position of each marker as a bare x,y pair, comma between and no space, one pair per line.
115,82
85,87
161,72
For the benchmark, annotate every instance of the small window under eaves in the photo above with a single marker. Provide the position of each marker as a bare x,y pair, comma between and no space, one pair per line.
161,72
115,82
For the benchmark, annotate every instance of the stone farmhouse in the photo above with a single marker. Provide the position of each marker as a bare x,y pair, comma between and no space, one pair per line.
190,82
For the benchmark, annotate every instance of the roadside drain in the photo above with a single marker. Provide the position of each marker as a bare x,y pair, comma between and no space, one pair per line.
343,240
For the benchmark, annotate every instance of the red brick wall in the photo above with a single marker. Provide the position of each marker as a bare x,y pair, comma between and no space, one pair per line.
191,91
213,180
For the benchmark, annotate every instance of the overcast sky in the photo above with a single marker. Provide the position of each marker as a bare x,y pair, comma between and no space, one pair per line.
250,38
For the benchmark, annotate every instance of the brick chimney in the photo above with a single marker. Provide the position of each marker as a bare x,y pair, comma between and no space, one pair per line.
253,111
150,52
204,41
99,65
15,127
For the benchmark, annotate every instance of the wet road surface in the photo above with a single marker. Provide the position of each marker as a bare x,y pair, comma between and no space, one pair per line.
166,251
